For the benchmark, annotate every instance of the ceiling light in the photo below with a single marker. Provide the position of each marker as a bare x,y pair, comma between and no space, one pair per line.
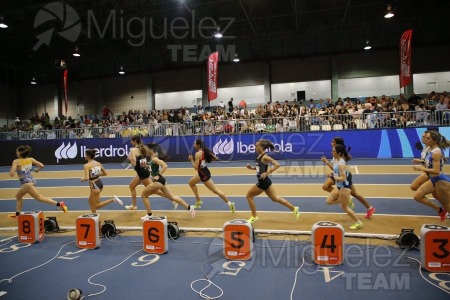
367,47
236,58
33,80
2,23
389,12
76,52
121,71
218,34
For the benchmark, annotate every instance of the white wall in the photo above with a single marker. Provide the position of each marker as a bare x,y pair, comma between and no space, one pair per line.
177,99
313,90
253,95
369,86
428,82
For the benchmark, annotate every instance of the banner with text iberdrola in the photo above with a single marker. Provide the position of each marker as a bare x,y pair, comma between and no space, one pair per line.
369,143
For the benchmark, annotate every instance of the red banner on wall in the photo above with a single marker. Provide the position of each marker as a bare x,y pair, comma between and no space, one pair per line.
405,58
212,75
65,91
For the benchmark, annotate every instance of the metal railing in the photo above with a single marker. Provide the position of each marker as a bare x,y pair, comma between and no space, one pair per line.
316,122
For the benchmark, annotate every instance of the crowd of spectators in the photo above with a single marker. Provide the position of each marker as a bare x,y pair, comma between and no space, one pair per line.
373,112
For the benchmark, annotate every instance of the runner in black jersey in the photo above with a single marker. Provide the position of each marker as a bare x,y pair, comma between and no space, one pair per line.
139,158
203,156
157,168
264,183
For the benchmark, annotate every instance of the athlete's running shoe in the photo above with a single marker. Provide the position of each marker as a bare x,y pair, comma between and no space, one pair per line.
117,200
198,204
175,205
351,204
146,217
370,212
130,207
253,219
232,208
63,206
357,225
296,212
442,214
192,211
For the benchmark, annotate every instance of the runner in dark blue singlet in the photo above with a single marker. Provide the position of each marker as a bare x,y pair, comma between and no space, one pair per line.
264,184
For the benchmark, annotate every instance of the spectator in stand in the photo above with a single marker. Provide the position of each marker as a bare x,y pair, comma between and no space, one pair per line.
260,127
311,104
403,102
242,104
320,105
270,126
126,132
330,103
218,128
348,102
199,110
228,128
96,120
413,101
421,114
440,110
230,105
209,128
37,126
106,112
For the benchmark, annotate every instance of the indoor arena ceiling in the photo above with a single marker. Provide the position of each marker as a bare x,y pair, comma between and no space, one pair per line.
155,35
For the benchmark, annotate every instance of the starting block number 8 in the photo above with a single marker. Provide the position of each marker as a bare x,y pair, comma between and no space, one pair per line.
31,227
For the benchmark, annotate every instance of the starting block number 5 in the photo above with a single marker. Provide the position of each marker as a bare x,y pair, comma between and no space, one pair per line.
238,240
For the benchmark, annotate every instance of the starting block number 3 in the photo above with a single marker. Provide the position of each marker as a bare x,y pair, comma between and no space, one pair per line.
435,248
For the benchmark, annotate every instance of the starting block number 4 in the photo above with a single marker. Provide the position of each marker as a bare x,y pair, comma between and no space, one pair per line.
328,243
31,227
435,248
